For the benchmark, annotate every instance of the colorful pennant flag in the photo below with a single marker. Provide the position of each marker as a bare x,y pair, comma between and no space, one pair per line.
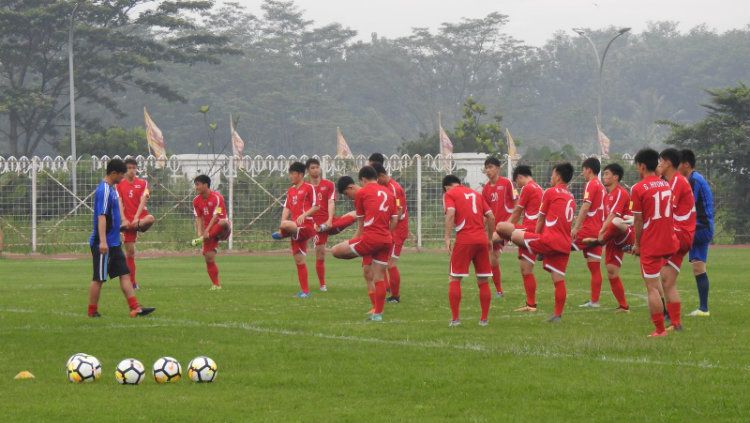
604,142
238,145
446,146
155,139
512,152
342,148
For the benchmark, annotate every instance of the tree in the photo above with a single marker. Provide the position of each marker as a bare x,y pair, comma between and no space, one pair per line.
109,142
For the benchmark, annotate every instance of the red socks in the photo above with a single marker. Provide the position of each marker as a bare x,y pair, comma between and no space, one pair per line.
529,284
340,223
658,319
379,297
560,294
454,297
595,268
93,308
131,266
320,269
496,278
485,298
132,303
302,276
619,291
213,272
674,313
395,277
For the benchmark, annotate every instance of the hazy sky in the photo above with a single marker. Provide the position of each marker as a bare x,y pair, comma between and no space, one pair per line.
533,21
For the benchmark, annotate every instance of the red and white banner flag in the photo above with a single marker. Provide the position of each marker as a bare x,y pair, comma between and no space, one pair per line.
604,142
238,145
155,139
342,148
446,146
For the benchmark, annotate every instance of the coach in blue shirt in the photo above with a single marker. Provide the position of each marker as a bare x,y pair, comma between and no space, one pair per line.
704,227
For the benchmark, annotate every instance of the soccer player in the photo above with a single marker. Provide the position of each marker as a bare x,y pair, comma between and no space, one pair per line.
474,222
211,224
297,221
529,201
704,228
377,217
551,237
399,235
655,241
324,216
683,216
134,194
588,224
498,192
106,252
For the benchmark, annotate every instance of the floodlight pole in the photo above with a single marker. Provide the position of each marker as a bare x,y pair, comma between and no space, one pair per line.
71,93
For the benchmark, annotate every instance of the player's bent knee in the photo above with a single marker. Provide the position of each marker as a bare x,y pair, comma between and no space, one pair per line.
517,237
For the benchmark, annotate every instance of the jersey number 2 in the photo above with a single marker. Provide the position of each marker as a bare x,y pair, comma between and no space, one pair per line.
384,205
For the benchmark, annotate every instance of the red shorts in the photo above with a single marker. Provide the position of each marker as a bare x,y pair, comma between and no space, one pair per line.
132,235
523,252
464,254
614,253
686,242
651,265
554,260
371,251
594,252
212,244
299,240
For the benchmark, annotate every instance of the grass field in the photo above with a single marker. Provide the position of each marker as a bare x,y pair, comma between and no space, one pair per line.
315,360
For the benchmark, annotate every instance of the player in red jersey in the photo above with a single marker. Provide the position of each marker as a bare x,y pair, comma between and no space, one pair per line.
615,233
326,191
588,224
134,194
211,224
377,217
527,210
655,241
400,234
498,192
684,218
297,221
551,237
474,222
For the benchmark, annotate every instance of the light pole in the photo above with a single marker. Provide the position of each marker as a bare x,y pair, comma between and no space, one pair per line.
73,153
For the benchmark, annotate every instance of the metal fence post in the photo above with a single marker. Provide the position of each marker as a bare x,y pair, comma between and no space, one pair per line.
419,201
33,204
230,214
510,167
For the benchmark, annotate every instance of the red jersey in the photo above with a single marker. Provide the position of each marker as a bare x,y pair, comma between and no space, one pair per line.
301,199
617,202
594,195
326,191
376,205
683,204
208,207
470,210
651,197
500,197
130,194
530,200
558,209
400,195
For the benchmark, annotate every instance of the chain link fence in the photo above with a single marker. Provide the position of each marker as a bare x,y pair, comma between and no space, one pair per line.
40,211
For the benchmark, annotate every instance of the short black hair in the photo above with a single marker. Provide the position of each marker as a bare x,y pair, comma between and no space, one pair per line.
343,183
672,155
377,158
687,156
116,166
203,179
647,157
379,168
565,170
492,160
616,169
521,170
368,172
130,161
592,163
450,180
298,167
311,161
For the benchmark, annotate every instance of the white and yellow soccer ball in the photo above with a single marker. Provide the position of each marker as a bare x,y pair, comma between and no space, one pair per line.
167,370
82,368
130,372
202,370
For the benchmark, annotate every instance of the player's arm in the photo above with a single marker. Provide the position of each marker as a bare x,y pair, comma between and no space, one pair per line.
581,217
450,214
331,210
360,226
516,215
142,204
489,224
606,223
124,221
198,221
638,228
394,223
285,214
101,227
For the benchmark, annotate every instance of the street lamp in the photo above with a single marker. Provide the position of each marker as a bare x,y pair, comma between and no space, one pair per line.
73,153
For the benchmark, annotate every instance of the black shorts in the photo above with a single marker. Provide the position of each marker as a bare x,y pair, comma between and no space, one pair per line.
113,263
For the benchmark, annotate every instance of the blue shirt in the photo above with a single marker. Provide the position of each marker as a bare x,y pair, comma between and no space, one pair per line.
106,203
704,202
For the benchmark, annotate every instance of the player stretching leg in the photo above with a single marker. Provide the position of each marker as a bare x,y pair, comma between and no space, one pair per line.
297,222
211,224
498,192
107,256
473,220
683,215
655,241
134,194
327,200
551,237
588,224
377,217
704,228
529,201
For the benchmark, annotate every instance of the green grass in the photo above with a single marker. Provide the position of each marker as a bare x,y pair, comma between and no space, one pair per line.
283,359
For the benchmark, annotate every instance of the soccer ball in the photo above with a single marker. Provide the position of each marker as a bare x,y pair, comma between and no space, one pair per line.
202,369
130,372
167,370
83,368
